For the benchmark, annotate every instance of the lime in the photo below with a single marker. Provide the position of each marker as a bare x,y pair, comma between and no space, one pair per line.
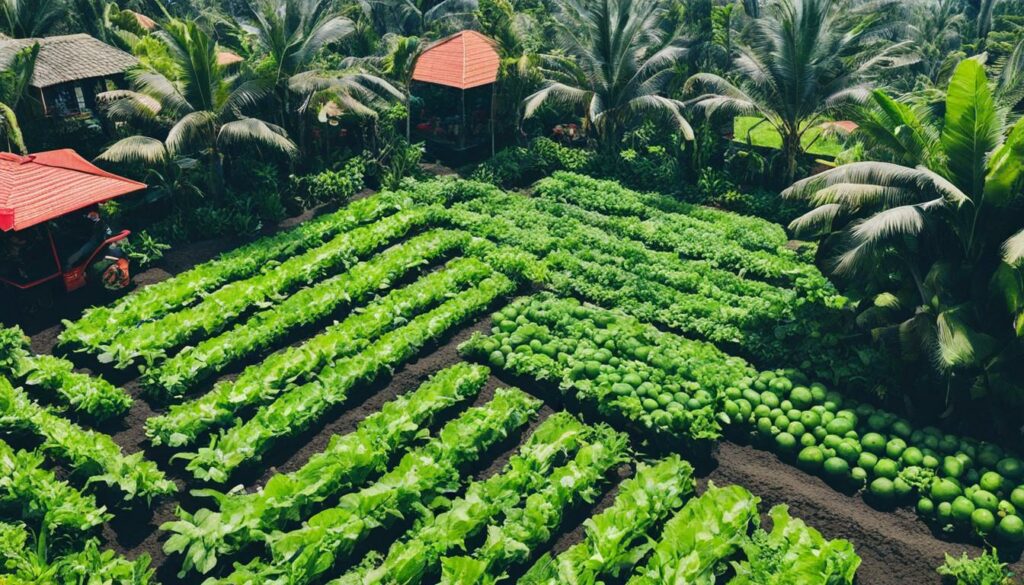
867,460
801,397
962,509
836,467
785,442
1010,467
925,507
1017,497
912,456
944,490
873,443
952,467
894,448
882,489
886,468
1011,528
991,481
983,521
985,499
811,458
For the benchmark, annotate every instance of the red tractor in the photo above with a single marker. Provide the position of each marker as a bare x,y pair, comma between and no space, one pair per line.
51,229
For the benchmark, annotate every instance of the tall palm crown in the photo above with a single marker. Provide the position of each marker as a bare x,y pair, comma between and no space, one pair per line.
615,62
416,17
800,62
947,209
30,18
204,104
292,32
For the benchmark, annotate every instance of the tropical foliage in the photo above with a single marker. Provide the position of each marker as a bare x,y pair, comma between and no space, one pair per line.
938,213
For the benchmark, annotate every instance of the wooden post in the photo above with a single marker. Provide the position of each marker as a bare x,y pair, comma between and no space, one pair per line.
494,94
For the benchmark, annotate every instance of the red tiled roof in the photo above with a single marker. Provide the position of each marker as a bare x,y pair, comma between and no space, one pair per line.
225,58
47,185
463,60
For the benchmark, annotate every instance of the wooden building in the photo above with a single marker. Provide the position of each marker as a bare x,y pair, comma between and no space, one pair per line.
70,70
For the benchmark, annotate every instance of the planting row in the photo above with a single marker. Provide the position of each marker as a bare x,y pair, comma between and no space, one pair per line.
153,339
309,306
348,462
660,382
90,396
959,483
673,232
304,554
93,455
625,369
288,411
102,324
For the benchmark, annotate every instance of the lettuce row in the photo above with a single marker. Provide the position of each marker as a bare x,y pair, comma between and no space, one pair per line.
215,311
30,559
93,454
518,217
707,531
91,396
32,493
611,198
303,555
417,557
665,233
347,462
794,553
300,408
615,538
307,306
102,324
261,383
532,525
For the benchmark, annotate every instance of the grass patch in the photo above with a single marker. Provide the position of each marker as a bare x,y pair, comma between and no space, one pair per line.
766,136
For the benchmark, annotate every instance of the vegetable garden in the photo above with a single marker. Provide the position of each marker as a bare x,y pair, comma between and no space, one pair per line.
295,410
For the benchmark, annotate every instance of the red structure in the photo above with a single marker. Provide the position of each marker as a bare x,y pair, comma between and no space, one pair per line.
37,189
454,83
464,60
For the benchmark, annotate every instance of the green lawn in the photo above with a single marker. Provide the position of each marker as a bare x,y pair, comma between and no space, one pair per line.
765,135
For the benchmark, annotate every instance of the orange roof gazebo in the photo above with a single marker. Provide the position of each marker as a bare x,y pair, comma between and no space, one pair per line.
465,62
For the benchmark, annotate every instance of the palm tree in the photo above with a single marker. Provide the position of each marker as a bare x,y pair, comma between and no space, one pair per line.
519,74
947,210
416,17
24,19
14,82
292,32
204,103
615,64
802,61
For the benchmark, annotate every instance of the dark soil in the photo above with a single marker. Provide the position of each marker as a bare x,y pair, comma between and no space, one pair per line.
895,546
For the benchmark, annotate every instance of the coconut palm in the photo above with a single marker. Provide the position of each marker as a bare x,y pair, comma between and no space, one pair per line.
24,19
615,62
292,32
14,82
416,17
800,62
947,211
205,106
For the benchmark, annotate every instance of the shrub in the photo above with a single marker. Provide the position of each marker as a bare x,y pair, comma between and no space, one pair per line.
331,186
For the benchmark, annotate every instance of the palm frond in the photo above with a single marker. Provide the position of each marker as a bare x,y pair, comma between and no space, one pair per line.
816,222
136,149
258,132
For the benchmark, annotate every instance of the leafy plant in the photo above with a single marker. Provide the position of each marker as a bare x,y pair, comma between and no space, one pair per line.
939,217
985,569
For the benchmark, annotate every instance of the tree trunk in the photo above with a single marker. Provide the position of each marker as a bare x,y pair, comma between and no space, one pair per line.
791,149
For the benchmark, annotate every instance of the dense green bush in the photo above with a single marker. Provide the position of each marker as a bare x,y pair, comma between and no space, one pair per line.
520,166
330,186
